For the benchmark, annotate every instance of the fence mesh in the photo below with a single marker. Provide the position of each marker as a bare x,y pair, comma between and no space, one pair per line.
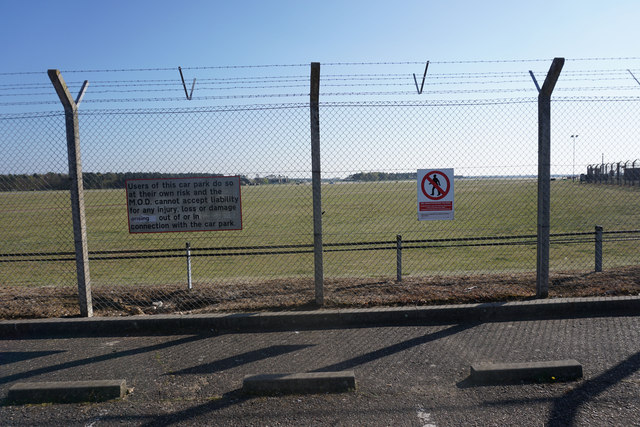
608,135
370,153
474,138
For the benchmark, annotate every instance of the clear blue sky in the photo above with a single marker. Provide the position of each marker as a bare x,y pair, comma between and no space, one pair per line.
114,35
64,34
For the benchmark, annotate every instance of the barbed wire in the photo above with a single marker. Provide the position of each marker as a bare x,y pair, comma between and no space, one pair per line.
207,87
333,84
300,81
165,99
329,77
325,104
214,86
330,64
324,94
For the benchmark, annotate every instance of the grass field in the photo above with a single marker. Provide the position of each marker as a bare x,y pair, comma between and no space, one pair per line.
40,223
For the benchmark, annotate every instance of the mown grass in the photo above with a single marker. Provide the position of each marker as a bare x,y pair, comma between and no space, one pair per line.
40,222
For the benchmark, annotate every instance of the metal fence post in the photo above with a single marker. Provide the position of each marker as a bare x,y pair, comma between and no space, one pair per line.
544,177
77,190
399,258
598,250
316,179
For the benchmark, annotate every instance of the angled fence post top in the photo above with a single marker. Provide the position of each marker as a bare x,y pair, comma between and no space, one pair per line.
63,91
552,78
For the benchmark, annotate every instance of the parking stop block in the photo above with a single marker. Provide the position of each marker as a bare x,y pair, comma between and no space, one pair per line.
505,373
66,391
300,383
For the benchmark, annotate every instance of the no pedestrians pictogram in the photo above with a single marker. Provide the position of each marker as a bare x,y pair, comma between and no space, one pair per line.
435,185
435,194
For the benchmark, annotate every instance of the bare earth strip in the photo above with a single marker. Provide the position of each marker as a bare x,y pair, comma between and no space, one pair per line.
296,294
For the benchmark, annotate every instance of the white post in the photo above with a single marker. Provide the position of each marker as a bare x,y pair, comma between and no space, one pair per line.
189,283
399,258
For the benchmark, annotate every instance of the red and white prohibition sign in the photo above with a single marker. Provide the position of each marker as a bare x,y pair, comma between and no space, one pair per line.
437,181
435,194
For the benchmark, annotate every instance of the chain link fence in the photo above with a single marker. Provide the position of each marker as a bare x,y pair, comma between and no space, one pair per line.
375,249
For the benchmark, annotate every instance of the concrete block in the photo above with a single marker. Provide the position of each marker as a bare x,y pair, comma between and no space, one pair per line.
300,383
506,373
66,391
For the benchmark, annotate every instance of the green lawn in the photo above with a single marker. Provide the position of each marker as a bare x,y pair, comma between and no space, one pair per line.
40,222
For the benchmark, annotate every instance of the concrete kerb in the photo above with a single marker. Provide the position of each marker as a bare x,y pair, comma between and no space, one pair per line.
325,318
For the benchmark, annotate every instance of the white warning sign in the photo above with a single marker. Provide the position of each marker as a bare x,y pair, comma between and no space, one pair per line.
184,204
435,194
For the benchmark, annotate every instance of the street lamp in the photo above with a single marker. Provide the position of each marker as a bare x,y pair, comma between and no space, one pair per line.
573,172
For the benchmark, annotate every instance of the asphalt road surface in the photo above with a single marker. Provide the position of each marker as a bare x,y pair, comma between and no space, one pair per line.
406,376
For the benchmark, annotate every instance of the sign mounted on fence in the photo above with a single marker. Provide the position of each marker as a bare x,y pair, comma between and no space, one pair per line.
184,204
435,194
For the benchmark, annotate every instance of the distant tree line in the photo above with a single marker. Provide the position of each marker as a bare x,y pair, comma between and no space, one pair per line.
90,180
382,176
385,176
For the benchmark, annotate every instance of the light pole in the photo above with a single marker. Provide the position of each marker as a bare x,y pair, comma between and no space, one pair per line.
573,172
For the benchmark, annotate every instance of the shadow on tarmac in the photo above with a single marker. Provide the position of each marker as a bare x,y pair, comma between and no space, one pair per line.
7,357
396,348
565,408
240,359
95,359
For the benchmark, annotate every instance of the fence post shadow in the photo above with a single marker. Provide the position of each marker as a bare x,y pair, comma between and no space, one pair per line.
565,408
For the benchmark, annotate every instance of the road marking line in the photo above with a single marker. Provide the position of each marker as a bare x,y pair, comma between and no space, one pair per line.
425,418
